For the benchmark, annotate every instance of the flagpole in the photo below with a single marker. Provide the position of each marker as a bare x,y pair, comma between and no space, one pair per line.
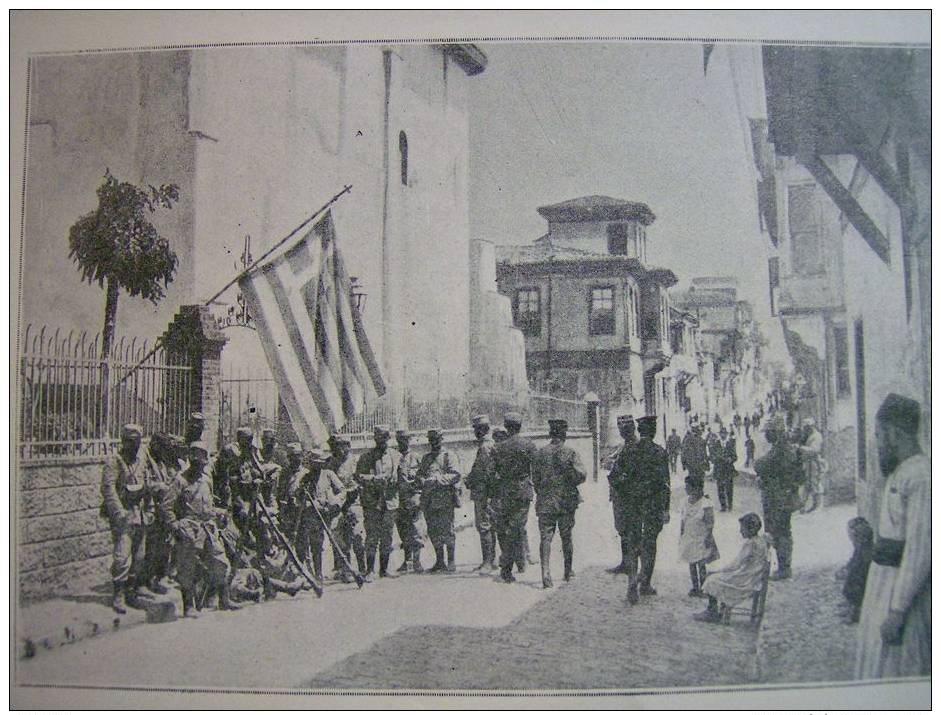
159,343
278,245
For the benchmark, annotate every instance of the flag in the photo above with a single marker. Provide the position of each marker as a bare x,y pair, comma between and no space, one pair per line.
312,334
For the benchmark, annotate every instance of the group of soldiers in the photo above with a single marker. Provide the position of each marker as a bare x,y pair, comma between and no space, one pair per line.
253,521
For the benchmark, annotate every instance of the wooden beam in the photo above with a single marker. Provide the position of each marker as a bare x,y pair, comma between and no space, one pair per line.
848,204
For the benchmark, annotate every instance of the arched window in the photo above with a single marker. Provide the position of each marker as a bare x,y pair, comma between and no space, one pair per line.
403,157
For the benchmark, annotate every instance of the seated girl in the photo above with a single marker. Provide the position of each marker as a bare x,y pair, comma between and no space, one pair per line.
740,579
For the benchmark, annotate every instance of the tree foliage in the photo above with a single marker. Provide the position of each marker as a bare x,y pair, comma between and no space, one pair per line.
117,242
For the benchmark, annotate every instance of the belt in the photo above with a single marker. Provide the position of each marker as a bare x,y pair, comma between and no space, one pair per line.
888,552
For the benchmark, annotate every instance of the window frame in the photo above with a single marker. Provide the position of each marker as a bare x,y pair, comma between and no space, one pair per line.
609,313
531,326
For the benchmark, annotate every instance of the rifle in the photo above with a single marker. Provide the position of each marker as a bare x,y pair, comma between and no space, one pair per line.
318,589
357,576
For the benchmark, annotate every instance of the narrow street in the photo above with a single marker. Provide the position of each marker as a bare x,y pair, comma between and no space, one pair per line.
464,630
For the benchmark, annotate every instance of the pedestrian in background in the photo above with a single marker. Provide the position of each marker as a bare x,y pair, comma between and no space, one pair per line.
779,477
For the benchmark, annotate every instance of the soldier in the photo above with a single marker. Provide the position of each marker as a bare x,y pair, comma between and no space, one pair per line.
513,459
124,490
557,473
376,474
480,482
248,480
194,428
645,489
409,512
271,455
780,473
292,474
189,510
724,458
164,466
351,531
439,477
627,428
328,493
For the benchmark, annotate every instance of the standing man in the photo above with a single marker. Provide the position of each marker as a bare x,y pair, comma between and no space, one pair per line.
192,516
351,532
376,474
513,463
694,457
328,493
712,443
557,473
779,473
124,489
674,444
164,466
622,457
480,483
409,513
895,621
724,472
645,489
439,494
810,450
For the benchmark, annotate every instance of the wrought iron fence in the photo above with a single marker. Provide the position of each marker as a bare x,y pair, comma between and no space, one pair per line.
73,402
249,397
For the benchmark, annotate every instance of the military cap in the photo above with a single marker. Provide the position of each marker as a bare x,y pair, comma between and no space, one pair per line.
478,420
316,455
499,435
243,431
131,430
558,427
267,431
751,519
402,433
294,448
623,419
199,447
197,417
381,430
647,424
434,433
512,418
903,412
338,438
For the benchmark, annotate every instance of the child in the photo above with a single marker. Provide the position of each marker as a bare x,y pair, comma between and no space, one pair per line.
697,545
741,578
857,568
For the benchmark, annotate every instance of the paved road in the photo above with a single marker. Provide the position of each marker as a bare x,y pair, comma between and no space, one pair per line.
295,642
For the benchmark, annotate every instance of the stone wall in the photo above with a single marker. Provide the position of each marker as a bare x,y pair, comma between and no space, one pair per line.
63,545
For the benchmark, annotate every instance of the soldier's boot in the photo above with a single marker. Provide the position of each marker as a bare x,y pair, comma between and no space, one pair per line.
567,559
383,565
317,558
621,567
361,560
494,559
225,601
117,598
416,560
527,554
486,558
545,550
132,597
405,556
451,568
370,566
439,560
189,603
783,546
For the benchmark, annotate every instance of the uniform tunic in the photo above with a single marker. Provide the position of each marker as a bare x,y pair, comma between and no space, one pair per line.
905,516
351,530
439,495
740,579
622,460
557,472
408,518
513,458
480,483
376,473
124,491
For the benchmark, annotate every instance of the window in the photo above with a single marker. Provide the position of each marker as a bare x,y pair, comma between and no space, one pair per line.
842,354
403,157
676,338
528,315
601,311
805,236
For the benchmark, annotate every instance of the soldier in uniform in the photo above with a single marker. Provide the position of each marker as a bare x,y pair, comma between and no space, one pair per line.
164,466
513,462
645,490
557,473
328,493
627,429
724,458
376,474
124,490
409,513
292,474
271,455
200,553
439,477
194,428
249,480
480,482
673,449
351,532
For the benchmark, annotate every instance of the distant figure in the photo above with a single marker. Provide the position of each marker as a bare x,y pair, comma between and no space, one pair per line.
697,544
747,423
734,583
724,456
749,451
810,448
693,456
737,422
674,444
895,620
854,573
712,444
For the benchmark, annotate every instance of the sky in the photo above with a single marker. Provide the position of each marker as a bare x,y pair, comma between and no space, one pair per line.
636,121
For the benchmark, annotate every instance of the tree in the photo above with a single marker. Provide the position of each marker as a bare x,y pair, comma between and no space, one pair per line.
116,246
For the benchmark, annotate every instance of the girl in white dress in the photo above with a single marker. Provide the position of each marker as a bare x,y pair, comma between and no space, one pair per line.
697,545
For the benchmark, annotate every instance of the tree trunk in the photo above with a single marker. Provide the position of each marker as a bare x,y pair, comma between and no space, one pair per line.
107,340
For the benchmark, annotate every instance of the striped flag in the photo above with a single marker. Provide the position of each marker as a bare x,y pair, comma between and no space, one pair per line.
312,334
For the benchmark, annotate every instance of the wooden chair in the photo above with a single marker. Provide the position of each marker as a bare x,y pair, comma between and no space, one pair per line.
757,610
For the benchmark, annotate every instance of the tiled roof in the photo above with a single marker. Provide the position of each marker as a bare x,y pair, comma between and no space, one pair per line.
543,251
597,208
